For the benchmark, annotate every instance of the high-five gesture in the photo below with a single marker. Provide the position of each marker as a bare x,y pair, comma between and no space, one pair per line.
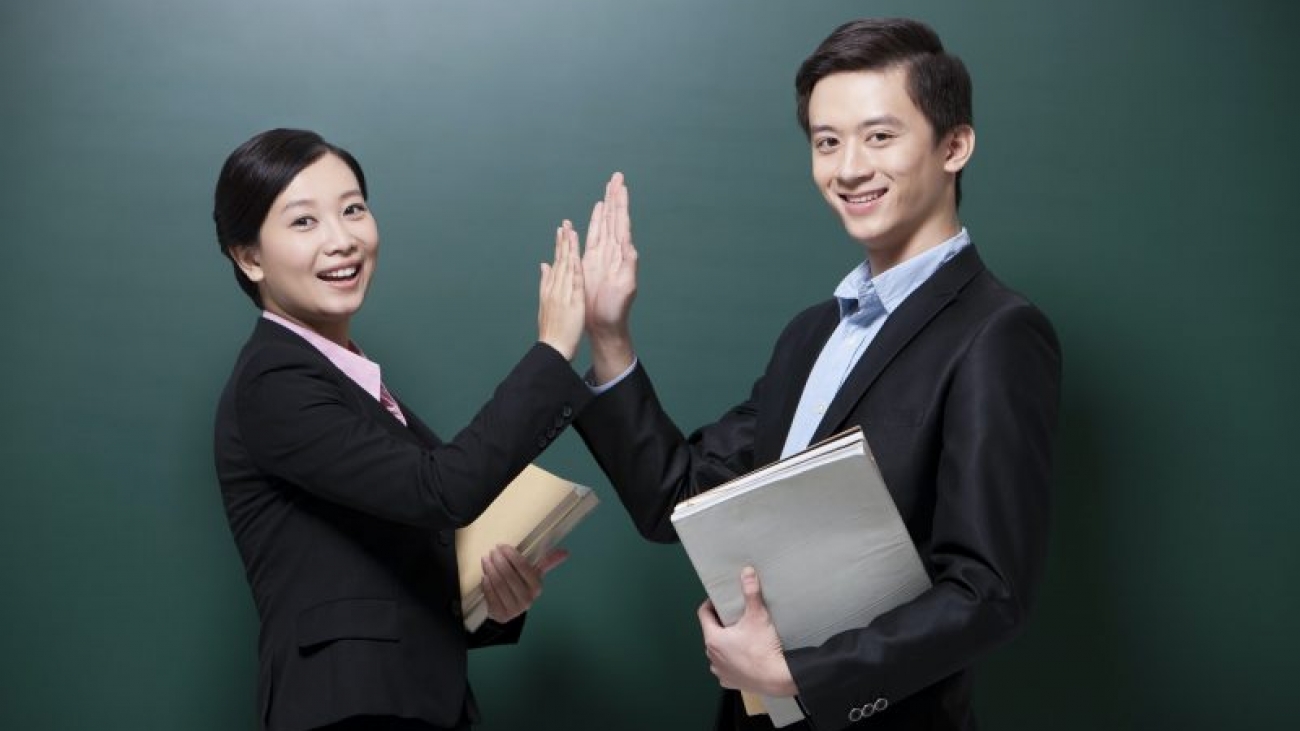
562,303
609,268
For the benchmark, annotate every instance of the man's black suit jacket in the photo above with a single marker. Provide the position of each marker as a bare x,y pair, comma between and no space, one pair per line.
957,396
345,521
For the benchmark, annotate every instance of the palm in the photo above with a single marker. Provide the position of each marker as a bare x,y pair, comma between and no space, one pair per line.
609,262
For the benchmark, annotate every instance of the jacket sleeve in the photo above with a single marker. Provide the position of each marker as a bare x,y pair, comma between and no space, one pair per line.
989,531
492,632
650,464
299,425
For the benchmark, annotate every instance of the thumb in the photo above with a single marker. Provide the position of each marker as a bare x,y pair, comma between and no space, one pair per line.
545,280
753,592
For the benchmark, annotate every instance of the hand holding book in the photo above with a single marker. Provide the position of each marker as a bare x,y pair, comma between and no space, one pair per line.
826,536
514,539
511,583
747,655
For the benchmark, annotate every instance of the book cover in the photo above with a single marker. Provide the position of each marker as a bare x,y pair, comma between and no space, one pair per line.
824,534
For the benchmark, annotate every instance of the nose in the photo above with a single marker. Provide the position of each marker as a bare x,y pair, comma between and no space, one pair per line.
341,238
855,166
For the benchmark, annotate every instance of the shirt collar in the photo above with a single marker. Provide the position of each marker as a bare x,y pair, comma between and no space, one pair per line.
356,366
893,286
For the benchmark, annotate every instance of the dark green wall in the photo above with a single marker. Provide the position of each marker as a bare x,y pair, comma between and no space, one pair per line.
1134,176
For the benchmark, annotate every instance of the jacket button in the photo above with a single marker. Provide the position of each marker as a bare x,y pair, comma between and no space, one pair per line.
541,442
567,411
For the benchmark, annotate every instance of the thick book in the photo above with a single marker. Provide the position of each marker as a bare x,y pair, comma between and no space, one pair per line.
821,529
533,514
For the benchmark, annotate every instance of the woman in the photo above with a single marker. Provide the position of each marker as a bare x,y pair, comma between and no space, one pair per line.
342,502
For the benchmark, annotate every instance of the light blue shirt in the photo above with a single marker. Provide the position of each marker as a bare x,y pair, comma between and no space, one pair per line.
865,304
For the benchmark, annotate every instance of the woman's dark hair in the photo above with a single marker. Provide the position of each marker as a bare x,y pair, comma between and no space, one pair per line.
937,81
253,176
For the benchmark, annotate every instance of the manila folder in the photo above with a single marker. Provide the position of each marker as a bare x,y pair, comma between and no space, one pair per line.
534,512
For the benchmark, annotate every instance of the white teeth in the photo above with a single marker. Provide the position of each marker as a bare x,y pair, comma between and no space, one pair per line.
340,273
867,198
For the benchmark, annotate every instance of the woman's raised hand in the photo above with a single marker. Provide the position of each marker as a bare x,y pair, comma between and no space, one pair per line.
561,310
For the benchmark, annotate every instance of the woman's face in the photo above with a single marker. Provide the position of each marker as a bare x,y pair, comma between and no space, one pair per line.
317,250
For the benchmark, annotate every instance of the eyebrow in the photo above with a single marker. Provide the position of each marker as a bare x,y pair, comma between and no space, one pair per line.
885,119
309,201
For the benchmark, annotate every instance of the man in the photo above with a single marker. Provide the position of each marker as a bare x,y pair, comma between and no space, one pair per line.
953,378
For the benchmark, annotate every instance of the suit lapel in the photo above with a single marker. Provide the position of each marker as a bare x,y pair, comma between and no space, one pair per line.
903,325
369,404
789,381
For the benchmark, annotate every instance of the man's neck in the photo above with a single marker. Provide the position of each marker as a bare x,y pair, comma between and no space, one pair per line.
885,257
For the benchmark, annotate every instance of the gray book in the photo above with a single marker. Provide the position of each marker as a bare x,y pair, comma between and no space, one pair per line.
826,539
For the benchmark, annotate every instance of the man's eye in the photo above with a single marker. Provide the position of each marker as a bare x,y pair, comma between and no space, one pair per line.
826,144
880,137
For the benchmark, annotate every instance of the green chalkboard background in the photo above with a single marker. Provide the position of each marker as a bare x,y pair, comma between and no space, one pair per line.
1135,176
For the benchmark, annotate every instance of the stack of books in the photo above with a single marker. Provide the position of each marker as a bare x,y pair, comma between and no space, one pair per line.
824,535
533,514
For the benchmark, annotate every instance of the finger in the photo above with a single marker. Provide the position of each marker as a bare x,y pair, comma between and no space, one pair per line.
611,204
564,263
753,592
524,579
513,599
491,596
552,559
627,251
550,282
594,238
708,617
575,267
622,216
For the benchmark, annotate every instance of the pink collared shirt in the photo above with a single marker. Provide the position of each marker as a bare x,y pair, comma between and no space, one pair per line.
363,371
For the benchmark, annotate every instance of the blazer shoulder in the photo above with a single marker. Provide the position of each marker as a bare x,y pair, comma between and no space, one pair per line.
272,351
809,318
998,299
272,346
991,313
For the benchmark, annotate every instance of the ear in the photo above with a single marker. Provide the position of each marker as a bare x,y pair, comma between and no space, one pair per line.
959,147
249,260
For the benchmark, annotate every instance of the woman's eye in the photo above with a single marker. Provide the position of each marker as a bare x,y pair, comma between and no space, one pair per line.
303,222
355,209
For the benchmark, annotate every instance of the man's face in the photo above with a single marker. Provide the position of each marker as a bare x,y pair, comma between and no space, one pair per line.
875,159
